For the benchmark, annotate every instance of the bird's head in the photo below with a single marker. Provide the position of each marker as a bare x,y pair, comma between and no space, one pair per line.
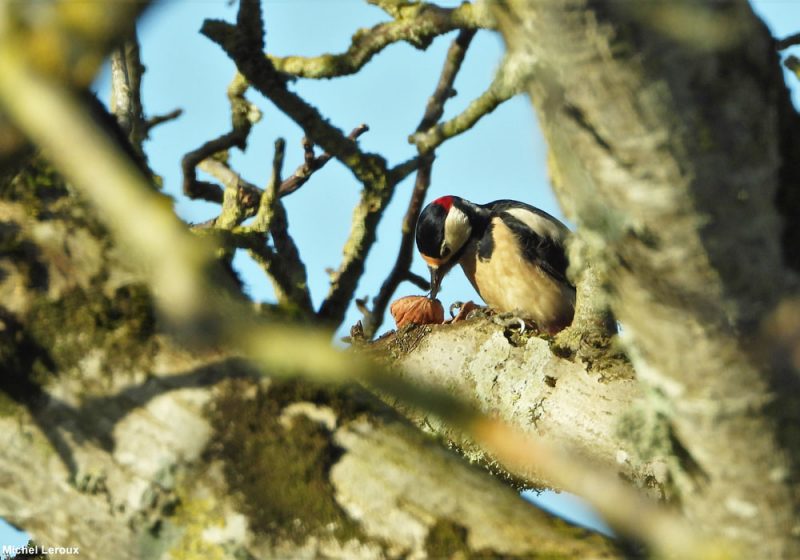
443,228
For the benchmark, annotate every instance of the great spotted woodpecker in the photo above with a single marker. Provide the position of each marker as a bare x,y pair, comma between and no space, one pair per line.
512,253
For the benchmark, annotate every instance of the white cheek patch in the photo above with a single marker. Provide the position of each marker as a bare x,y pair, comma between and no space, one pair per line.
539,224
456,229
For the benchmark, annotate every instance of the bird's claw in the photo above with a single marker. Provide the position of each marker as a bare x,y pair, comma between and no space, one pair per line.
465,310
510,320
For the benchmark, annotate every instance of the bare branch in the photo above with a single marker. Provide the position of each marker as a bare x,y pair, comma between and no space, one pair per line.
282,265
502,88
369,169
433,112
243,116
418,281
153,122
311,163
787,42
251,194
417,24
261,74
269,198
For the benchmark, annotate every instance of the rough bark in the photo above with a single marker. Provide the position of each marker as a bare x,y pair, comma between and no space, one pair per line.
667,126
594,410
123,443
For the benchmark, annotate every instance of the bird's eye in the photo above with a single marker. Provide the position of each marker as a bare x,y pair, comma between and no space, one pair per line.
445,251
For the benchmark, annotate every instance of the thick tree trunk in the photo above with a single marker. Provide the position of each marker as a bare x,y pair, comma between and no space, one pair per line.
120,442
667,124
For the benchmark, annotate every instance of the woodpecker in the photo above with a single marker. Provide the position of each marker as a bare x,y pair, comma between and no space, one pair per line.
512,253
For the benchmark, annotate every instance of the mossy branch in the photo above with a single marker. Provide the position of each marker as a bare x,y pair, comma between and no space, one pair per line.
251,195
259,72
271,216
502,88
417,24
369,169
282,265
243,116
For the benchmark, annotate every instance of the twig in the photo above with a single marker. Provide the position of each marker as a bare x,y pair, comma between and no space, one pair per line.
417,24
272,216
418,281
793,64
403,169
370,169
157,120
311,163
269,198
433,112
787,42
501,89
282,266
251,194
243,116
248,194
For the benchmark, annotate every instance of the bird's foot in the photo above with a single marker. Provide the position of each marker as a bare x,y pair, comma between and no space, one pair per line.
466,310
511,320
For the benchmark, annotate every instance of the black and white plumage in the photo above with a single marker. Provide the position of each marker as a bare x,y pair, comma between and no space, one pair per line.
513,254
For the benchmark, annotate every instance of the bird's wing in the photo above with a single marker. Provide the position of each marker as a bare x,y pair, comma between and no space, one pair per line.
535,218
541,236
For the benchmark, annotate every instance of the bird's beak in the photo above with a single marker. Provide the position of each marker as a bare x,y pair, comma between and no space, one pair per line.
436,279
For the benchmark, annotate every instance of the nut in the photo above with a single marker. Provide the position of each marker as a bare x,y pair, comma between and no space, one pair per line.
420,310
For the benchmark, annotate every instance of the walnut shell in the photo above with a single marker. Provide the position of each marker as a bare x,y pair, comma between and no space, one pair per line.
420,310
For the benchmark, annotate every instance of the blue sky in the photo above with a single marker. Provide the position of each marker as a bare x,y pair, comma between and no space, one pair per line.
502,157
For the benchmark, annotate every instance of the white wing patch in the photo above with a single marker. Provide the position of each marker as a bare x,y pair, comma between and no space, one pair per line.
538,223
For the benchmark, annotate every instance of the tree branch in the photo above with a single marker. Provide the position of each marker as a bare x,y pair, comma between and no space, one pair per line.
433,112
259,72
271,216
369,169
313,163
157,120
502,88
417,24
243,116
283,265
126,99
788,41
